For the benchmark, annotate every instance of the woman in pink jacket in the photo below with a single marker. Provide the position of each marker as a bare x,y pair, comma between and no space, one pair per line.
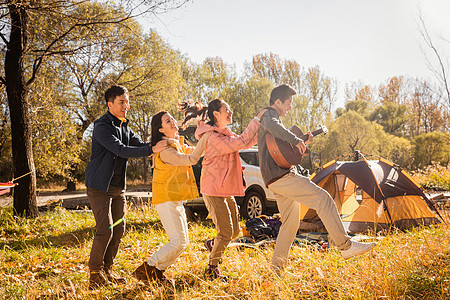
222,176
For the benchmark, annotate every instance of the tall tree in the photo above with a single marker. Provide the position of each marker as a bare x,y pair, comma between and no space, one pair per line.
208,80
17,94
360,98
316,91
320,91
428,113
247,99
351,132
27,47
393,113
294,75
268,65
395,90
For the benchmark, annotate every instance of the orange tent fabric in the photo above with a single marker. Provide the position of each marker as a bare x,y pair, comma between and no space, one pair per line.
373,195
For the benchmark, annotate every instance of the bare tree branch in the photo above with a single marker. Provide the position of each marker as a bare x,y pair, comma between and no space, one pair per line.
440,70
2,36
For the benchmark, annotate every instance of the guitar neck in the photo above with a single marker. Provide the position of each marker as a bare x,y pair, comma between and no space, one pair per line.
314,133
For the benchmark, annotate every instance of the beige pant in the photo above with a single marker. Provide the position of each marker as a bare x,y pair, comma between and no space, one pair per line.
224,213
291,190
173,218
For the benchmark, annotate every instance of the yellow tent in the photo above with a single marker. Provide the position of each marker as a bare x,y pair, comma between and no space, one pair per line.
372,195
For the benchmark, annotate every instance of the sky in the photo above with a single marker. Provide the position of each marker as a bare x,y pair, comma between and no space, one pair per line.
350,40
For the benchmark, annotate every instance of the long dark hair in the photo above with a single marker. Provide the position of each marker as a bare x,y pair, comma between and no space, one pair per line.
155,126
193,109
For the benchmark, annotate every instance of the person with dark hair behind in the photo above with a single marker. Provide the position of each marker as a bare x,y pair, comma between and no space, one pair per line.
173,183
222,176
113,142
291,189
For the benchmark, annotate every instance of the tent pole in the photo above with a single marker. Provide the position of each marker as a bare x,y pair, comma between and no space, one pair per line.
387,210
383,198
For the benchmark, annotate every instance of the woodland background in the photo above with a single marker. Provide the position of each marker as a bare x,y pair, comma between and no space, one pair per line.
58,59
71,51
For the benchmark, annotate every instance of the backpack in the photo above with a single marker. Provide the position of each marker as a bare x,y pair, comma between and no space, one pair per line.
259,229
275,224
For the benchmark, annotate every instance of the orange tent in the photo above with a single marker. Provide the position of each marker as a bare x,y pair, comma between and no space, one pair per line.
373,195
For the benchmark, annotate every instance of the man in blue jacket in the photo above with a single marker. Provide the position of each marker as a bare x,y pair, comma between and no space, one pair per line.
113,142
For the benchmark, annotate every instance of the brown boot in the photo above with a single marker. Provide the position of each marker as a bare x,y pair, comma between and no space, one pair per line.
145,272
97,279
213,272
112,276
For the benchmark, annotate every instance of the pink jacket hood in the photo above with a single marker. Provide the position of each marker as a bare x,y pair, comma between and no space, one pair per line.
203,128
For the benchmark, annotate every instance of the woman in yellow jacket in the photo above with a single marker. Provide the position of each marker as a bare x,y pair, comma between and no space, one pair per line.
173,182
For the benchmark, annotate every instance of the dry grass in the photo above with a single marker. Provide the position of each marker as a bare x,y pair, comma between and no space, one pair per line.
46,258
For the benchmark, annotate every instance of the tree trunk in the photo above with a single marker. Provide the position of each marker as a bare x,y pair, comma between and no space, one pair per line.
72,178
25,193
71,185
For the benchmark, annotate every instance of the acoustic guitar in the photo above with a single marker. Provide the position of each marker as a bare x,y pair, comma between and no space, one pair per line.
283,153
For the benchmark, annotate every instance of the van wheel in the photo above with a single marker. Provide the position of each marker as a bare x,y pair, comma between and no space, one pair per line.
253,205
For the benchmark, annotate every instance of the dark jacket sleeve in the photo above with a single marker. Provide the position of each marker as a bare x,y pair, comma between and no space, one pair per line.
104,134
271,123
135,140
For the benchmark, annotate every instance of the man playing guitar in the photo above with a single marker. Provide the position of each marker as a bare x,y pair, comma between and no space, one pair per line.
291,189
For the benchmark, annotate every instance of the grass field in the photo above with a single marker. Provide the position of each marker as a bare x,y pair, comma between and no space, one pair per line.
46,258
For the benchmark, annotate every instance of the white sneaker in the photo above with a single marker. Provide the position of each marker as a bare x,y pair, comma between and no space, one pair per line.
357,248
279,273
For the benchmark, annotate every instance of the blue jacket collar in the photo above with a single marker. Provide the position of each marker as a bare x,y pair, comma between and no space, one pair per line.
116,121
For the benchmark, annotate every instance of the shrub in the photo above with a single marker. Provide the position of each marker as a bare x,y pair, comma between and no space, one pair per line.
434,177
